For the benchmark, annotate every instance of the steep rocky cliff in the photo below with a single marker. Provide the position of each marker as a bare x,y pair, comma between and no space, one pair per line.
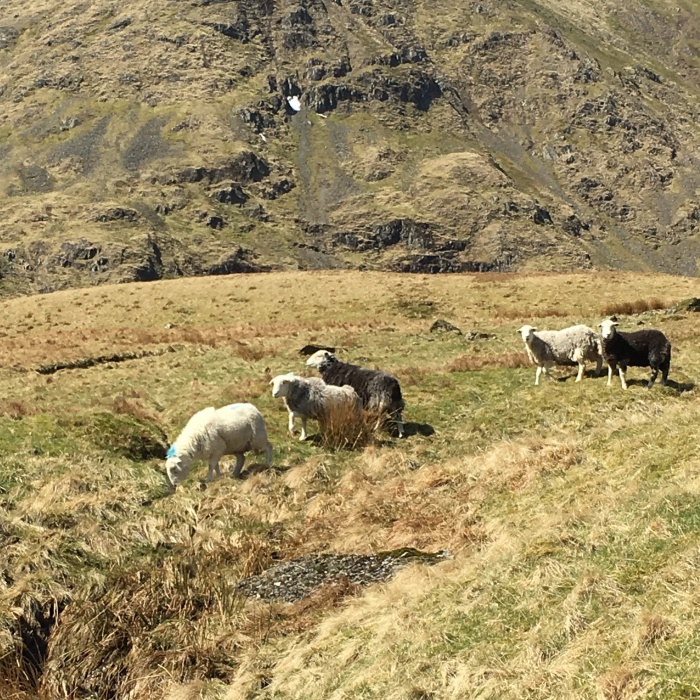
142,140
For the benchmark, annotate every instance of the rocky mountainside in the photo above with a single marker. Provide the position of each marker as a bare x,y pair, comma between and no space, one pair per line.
148,139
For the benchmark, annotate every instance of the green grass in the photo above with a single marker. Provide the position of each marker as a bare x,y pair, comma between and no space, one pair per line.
570,509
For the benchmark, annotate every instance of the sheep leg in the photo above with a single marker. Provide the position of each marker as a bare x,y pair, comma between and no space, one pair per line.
537,375
610,374
654,375
621,371
213,467
581,367
598,367
302,437
547,373
399,423
664,375
268,454
236,471
291,422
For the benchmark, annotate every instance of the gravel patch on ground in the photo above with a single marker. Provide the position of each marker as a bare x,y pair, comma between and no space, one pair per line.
296,579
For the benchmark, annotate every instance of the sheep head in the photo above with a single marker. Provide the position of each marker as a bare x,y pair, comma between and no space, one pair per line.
607,328
526,332
177,468
280,385
320,359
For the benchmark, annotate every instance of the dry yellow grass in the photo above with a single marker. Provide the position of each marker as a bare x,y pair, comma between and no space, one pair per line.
569,509
246,311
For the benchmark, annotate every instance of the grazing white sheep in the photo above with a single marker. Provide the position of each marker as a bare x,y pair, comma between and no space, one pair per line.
645,348
311,397
212,433
575,345
379,391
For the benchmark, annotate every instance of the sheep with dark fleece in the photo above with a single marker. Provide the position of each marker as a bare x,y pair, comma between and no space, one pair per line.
645,348
378,390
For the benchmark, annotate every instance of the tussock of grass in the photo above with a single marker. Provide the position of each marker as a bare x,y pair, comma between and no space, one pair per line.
173,613
627,308
343,427
127,433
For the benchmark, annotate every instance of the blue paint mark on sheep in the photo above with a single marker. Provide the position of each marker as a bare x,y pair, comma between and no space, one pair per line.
236,405
170,452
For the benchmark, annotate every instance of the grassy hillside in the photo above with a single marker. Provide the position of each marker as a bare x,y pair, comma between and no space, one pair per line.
149,140
569,510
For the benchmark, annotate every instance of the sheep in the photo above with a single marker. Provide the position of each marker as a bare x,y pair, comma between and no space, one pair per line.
212,433
378,391
575,345
311,398
645,348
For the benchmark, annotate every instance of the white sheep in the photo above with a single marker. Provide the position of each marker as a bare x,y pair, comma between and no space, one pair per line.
575,345
311,397
212,433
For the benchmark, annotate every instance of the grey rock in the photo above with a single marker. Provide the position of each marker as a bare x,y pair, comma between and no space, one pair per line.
296,579
442,325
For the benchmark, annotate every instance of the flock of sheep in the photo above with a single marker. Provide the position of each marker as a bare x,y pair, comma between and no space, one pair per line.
234,430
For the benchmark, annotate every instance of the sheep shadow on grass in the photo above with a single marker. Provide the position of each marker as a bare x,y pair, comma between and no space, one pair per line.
587,374
679,387
260,467
423,429
248,471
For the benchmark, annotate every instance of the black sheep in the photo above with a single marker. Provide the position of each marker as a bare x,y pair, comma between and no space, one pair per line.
378,390
645,348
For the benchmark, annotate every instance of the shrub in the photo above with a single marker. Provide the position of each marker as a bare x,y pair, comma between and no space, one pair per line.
627,308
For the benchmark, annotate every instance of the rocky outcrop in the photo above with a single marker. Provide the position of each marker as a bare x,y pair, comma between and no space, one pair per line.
233,262
121,214
404,232
232,194
245,167
443,262
414,87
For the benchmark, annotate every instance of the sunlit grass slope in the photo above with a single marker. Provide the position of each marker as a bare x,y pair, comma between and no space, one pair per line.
571,510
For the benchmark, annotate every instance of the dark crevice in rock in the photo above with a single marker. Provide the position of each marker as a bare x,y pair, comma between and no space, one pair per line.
245,167
235,262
